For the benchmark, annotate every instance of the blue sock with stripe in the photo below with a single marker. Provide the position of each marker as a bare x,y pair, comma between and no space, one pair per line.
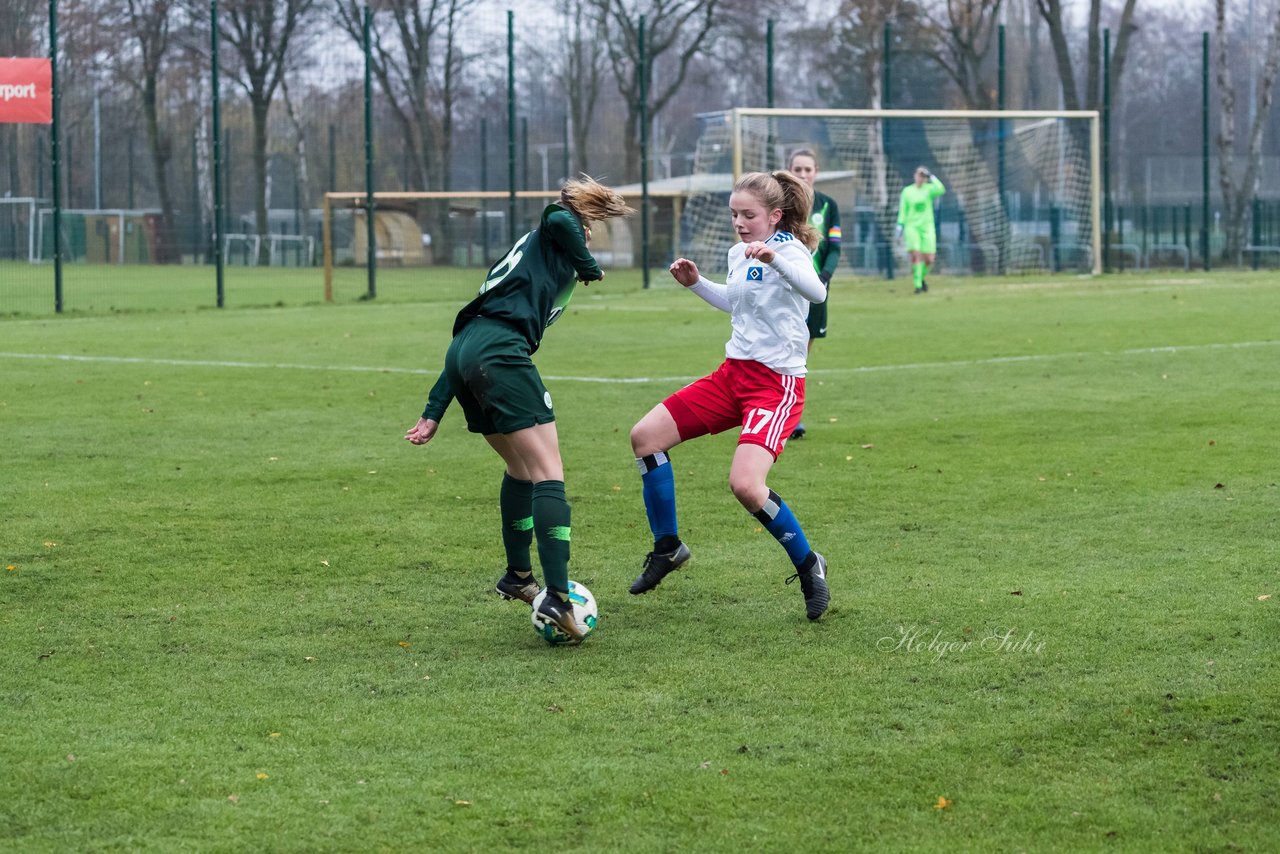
659,481
778,520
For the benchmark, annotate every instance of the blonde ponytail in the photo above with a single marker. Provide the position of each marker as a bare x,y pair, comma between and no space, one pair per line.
785,192
799,203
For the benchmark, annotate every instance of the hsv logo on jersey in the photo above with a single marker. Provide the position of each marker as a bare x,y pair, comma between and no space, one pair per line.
755,274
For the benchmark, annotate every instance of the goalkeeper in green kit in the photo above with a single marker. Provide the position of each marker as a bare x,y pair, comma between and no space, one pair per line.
915,224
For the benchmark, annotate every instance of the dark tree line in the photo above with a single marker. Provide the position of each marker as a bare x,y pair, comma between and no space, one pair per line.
439,69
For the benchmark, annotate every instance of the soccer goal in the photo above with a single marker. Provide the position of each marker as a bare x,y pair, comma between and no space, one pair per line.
456,229
1023,189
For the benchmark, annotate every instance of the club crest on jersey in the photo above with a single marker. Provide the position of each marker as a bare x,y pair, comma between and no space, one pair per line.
755,274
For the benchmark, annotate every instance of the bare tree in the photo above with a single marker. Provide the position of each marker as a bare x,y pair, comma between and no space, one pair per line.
20,25
581,75
261,33
418,62
1236,198
1052,11
681,28
147,23
854,41
418,66
302,168
965,32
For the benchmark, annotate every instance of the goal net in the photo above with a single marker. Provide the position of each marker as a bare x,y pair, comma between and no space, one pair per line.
1022,186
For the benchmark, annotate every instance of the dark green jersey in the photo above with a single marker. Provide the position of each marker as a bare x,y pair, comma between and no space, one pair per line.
825,219
529,288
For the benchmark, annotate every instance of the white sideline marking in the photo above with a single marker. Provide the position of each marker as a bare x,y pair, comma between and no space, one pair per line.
865,369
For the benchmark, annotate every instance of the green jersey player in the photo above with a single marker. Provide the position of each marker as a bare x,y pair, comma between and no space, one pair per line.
488,369
915,224
825,219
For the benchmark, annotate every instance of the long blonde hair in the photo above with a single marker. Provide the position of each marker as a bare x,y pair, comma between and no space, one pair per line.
785,192
593,201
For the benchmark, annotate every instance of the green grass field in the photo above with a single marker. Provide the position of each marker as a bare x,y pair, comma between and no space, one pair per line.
238,612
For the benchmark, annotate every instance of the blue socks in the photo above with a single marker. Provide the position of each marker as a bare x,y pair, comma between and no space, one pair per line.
778,520
659,482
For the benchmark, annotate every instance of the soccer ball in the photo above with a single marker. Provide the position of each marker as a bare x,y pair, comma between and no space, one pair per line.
584,611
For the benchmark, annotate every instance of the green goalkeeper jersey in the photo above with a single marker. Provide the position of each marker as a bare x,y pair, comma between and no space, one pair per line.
915,210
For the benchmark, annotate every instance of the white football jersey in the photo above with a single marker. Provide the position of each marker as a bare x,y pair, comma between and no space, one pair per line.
768,303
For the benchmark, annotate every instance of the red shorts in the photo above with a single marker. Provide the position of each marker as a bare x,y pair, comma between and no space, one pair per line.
764,403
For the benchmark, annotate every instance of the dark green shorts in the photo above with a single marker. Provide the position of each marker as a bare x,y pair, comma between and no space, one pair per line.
817,320
493,378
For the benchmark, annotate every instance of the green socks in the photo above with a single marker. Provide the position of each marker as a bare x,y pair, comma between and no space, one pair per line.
515,502
917,275
551,527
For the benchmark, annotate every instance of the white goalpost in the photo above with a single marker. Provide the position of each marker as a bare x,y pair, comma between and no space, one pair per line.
18,228
1023,186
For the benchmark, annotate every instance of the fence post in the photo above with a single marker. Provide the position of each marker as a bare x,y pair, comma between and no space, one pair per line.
1001,129
642,69
1055,237
768,80
1186,226
886,102
484,185
1256,228
371,250
196,229
1119,219
56,157
1204,144
219,224
1108,213
511,125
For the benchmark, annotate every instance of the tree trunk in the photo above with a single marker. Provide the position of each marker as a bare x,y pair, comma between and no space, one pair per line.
161,153
1237,198
261,106
302,171
1051,12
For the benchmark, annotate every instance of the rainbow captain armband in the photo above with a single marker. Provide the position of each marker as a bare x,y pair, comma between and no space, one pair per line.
834,233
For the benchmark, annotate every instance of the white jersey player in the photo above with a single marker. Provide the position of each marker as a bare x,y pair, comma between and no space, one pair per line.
760,385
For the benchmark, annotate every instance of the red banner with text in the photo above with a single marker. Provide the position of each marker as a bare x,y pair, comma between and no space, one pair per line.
26,91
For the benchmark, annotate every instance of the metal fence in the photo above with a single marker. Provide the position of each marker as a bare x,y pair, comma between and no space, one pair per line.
136,197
